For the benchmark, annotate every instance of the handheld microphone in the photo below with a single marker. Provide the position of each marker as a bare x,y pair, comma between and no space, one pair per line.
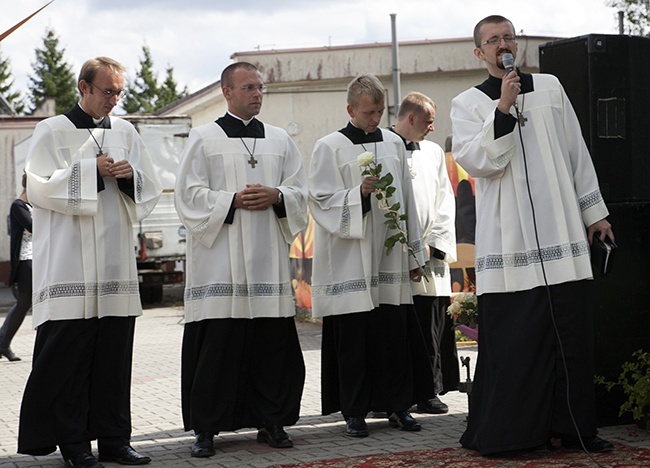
508,62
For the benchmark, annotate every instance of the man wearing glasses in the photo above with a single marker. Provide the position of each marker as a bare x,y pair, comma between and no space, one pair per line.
538,209
241,193
89,178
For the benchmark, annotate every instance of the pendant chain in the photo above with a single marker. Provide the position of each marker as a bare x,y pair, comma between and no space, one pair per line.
252,161
99,147
374,154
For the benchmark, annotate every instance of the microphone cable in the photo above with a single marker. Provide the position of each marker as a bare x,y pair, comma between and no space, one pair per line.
548,288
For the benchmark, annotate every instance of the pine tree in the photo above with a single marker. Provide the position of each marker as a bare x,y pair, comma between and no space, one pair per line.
14,99
168,92
142,94
53,77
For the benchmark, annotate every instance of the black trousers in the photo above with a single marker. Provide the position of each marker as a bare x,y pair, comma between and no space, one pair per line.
80,385
436,329
17,314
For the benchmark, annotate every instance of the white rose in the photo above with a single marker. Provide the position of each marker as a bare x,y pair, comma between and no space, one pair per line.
473,300
453,309
364,159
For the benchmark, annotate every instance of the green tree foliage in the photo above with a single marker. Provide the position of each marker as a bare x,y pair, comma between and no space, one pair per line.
168,92
6,83
142,93
636,14
53,77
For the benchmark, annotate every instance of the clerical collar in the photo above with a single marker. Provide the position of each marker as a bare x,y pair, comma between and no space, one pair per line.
235,127
410,145
492,86
245,122
81,119
358,136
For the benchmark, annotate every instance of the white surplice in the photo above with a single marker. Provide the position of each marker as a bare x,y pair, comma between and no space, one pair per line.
436,205
351,270
83,250
562,179
238,270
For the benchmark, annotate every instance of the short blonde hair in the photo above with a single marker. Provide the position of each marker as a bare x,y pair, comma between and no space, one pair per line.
368,85
414,102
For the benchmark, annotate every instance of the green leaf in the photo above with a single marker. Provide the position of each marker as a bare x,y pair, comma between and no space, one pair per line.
391,224
380,184
395,207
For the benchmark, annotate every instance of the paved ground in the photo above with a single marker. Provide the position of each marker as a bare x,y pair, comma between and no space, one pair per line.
157,429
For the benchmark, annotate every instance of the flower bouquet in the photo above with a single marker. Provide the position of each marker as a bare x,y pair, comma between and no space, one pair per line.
464,311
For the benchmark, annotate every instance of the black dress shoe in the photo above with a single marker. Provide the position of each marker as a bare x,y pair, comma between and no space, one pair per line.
432,406
83,460
275,436
356,426
404,421
124,455
203,446
9,354
592,444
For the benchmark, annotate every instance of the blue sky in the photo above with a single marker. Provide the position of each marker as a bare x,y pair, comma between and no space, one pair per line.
197,37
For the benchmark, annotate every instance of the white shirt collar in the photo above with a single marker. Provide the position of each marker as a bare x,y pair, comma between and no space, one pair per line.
246,122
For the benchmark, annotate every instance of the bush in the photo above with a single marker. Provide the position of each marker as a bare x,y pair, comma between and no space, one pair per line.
634,380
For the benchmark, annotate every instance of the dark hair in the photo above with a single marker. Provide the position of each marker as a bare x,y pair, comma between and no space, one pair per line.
492,19
227,73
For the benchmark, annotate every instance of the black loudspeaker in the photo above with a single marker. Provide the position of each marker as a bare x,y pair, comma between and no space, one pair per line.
622,318
607,79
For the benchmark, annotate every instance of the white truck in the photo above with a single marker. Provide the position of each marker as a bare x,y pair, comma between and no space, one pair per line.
159,239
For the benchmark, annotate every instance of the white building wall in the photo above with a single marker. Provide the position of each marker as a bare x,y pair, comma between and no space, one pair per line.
307,87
